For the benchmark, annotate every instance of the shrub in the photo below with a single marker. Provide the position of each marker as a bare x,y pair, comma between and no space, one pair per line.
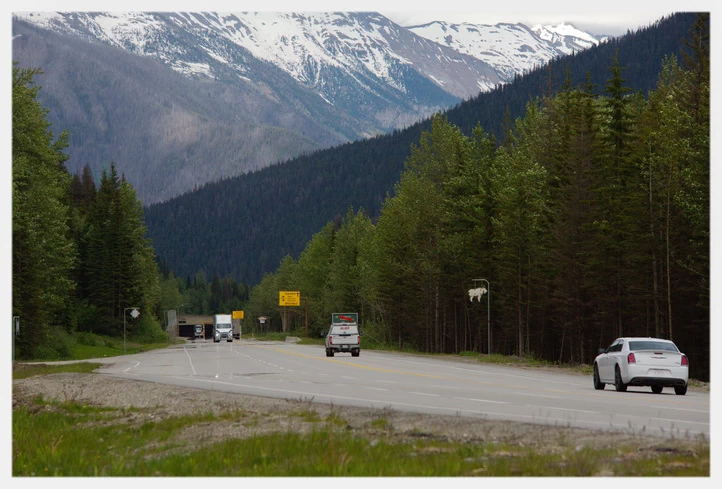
148,330
86,338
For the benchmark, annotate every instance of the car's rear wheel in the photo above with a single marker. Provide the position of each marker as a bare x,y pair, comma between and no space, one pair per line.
618,384
657,389
598,384
680,390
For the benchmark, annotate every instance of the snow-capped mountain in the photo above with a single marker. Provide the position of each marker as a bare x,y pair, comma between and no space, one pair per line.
345,58
214,95
510,48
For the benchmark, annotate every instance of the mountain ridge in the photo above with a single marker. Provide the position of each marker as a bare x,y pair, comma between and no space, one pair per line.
314,81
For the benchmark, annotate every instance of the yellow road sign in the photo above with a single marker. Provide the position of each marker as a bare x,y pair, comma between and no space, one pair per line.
289,298
237,314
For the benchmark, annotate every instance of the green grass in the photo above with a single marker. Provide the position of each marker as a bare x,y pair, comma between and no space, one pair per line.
25,370
112,347
70,441
106,346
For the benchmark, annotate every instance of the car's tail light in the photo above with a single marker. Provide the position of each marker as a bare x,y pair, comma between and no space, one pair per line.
631,359
685,361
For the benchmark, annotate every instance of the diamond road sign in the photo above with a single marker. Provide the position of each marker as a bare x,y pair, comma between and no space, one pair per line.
135,313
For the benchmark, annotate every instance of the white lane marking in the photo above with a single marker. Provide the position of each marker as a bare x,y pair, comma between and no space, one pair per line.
480,400
690,410
190,361
376,388
424,394
494,372
562,409
680,421
387,403
384,381
466,388
136,364
540,395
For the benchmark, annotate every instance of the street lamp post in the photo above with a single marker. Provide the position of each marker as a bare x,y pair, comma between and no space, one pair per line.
488,310
135,314
305,314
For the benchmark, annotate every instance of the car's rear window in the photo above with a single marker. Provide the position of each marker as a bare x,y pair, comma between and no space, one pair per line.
344,330
651,345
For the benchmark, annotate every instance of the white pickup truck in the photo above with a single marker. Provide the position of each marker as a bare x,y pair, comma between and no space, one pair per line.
343,337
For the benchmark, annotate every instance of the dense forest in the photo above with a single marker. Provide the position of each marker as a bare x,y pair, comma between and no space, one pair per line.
589,220
243,226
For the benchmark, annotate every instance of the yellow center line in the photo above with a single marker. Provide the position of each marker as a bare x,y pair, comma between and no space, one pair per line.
478,382
365,367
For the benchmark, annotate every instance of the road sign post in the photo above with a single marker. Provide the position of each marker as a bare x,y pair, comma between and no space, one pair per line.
486,291
135,315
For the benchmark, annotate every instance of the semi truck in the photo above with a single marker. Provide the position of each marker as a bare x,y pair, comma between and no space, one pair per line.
222,328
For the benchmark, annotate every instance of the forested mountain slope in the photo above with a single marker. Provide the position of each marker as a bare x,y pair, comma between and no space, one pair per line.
243,226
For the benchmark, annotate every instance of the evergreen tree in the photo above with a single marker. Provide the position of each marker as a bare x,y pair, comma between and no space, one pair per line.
121,267
42,249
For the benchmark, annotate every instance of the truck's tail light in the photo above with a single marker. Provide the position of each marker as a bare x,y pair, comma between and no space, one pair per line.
358,339
685,361
631,359
330,340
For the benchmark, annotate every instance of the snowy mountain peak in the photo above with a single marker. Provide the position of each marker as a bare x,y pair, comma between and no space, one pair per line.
566,36
510,48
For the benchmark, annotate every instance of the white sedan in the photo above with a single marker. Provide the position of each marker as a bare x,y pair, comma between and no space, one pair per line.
652,362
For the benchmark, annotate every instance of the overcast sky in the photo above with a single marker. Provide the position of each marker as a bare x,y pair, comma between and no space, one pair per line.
612,17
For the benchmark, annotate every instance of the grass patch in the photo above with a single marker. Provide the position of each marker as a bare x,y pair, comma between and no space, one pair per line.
25,370
89,346
380,423
112,347
71,441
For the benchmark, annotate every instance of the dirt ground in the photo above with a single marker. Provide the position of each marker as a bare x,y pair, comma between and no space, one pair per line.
249,416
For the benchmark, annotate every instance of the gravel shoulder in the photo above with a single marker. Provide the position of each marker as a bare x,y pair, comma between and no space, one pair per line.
141,402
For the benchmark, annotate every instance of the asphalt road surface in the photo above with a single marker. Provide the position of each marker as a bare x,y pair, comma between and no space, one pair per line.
419,384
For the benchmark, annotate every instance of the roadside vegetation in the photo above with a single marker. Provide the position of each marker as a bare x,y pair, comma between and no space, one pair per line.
71,439
83,346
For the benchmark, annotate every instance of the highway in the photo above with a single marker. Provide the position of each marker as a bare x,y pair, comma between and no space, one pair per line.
418,383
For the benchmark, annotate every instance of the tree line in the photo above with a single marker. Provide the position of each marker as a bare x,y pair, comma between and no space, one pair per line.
80,252
589,218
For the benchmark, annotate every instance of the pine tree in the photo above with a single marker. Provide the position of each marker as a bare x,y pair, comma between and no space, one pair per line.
42,250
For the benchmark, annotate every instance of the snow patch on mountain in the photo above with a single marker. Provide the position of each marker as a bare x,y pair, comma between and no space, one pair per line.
510,48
